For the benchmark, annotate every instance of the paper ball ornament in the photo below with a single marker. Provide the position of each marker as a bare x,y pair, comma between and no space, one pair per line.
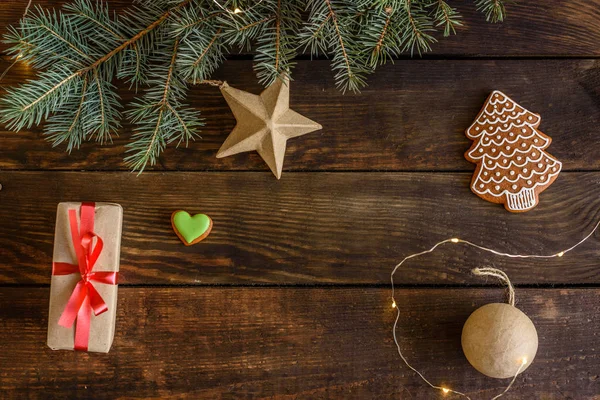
498,339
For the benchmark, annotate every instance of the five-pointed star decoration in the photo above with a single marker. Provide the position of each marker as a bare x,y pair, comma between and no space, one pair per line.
264,123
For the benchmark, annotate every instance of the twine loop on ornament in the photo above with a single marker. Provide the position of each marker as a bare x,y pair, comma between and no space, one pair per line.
485,271
501,275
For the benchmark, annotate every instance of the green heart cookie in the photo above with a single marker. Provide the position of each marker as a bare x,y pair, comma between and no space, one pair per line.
190,229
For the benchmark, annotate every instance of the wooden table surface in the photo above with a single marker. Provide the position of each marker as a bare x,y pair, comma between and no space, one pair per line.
289,296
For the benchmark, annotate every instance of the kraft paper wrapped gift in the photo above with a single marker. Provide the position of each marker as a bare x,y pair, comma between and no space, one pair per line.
83,292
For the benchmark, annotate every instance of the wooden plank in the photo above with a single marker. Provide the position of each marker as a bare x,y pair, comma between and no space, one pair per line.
411,118
326,228
533,27
295,343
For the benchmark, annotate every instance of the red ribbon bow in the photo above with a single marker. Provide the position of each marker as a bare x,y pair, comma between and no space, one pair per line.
85,297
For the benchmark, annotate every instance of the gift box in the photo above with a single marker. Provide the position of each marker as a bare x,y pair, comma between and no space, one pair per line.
83,291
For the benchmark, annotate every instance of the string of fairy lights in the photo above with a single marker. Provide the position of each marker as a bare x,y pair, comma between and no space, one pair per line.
523,361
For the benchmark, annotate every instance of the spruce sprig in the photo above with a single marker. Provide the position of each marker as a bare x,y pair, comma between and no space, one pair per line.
446,16
165,45
276,47
159,115
203,47
331,28
494,10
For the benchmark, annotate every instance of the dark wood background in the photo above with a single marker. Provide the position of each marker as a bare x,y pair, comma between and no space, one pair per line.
289,296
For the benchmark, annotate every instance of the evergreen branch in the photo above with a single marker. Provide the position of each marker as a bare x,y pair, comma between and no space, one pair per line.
276,50
277,35
84,11
197,22
101,98
340,37
384,32
256,23
447,16
167,43
380,36
26,47
45,38
165,97
101,109
419,24
206,50
494,10
202,50
49,92
243,28
76,119
136,38
319,29
162,105
62,39
159,117
36,100
186,129
333,28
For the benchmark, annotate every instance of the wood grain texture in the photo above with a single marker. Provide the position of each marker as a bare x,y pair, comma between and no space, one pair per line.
242,343
412,117
387,178
533,27
326,228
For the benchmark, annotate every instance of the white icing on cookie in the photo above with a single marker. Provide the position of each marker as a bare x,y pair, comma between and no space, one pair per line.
502,128
493,119
506,141
518,178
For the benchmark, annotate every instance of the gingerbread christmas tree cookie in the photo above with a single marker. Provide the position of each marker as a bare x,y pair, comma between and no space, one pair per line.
512,166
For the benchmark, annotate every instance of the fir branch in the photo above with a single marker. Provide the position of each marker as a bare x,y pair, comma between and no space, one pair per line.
494,10
419,24
159,116
256,23
35,101
44,38
77,118
381,37
276,49
340,38
447,16
203,55
210,45
135,38
192,19
167,43
202,48
332,27
242,29
383,34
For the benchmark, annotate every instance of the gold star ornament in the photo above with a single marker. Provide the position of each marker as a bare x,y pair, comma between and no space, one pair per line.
264,123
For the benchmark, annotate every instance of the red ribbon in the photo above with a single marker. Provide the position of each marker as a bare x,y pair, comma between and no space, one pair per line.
85,297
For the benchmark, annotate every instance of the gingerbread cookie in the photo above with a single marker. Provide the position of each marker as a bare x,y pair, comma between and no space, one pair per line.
191,230
512,166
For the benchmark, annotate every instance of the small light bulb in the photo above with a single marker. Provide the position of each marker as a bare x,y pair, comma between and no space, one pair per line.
445,390
562,253
19,56
393,304
237,10
524,360
454,240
